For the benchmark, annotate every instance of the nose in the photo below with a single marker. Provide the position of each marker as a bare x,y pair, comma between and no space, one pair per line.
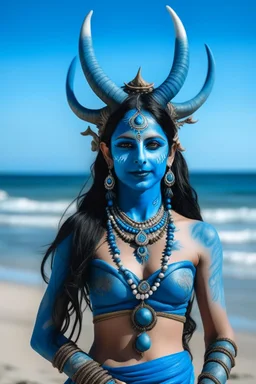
140,162
140,157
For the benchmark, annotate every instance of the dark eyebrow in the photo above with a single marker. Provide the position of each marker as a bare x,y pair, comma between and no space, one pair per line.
125,136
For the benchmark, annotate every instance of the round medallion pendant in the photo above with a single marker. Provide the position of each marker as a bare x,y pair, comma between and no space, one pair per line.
141,238
109,182
143,317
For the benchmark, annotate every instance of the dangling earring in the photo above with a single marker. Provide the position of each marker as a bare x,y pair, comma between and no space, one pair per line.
109,181
109,184
169,180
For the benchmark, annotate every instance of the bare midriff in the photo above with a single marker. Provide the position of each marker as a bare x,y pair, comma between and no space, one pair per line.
114,338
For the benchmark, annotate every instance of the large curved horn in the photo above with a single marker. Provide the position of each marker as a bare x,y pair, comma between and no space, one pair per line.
90,115
108,91
177,76
187,108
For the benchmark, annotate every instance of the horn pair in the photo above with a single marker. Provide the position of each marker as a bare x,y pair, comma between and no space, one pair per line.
112,95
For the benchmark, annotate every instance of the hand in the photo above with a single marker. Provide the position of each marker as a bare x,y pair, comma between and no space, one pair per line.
119,382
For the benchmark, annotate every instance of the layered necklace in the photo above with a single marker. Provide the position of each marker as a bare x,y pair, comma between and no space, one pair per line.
140,234
143,316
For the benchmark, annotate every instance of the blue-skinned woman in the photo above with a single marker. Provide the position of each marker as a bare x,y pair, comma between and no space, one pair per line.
136,250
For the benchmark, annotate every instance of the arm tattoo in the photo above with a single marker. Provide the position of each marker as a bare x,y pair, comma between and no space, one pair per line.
207,236
176,245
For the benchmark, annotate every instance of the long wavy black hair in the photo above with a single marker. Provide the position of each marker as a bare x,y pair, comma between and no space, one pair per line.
88,223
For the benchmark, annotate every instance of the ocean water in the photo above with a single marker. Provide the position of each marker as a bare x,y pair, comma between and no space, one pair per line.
31,208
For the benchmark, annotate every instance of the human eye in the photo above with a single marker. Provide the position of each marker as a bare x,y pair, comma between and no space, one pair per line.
153,144
124,145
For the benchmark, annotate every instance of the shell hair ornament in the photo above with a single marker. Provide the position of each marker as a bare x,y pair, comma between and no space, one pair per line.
113,95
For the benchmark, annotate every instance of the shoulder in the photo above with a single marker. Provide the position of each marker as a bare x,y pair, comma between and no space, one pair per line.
196,225
63,249
203,235
199,230
207,239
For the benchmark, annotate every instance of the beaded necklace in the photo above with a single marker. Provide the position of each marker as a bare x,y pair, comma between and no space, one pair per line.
140,234
143,316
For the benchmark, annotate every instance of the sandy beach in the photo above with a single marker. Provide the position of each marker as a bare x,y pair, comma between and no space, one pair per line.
19,364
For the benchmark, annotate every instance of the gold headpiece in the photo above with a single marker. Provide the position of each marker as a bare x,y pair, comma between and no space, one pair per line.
138,85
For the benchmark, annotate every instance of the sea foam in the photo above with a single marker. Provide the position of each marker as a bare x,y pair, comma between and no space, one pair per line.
230,215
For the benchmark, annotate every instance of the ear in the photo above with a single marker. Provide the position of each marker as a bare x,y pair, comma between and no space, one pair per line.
106,154
172,155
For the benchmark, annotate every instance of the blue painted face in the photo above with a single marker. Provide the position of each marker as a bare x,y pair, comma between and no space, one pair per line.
139,149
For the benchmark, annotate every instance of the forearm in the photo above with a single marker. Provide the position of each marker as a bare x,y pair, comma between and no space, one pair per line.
73,364
219,360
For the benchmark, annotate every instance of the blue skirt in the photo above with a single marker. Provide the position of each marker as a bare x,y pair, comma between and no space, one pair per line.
176,368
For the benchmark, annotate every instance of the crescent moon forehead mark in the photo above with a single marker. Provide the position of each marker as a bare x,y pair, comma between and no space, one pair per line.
86,27
178,26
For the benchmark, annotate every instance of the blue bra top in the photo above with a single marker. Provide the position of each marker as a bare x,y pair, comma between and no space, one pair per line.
110,292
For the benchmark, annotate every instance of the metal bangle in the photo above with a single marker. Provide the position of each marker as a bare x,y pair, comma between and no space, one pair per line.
104,378
221,363
98,376
206,375
59,353
88,376
230,341
84,371
223,350
212,345
59,358
68,353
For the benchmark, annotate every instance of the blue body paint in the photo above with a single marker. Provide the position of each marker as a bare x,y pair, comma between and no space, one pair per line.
41,340
176,245
207,236
139,196
138,193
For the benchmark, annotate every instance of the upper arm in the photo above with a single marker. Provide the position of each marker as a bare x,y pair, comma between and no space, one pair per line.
209,282
44,325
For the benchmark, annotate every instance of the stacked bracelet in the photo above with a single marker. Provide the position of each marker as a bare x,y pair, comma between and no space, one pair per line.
219,359
63,354
90,372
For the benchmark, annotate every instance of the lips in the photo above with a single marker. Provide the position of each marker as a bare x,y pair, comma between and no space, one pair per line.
140,173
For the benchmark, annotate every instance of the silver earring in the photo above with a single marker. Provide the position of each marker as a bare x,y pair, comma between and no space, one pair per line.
169,178
109,182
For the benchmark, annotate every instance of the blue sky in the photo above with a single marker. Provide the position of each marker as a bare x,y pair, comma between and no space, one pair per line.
39,132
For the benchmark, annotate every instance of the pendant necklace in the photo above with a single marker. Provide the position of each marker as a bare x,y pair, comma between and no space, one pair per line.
143,317
139,234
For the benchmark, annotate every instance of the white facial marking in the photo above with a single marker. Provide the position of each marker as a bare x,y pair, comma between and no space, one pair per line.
120,159
161,158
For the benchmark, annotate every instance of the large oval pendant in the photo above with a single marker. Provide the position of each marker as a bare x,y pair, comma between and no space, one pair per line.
142,343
